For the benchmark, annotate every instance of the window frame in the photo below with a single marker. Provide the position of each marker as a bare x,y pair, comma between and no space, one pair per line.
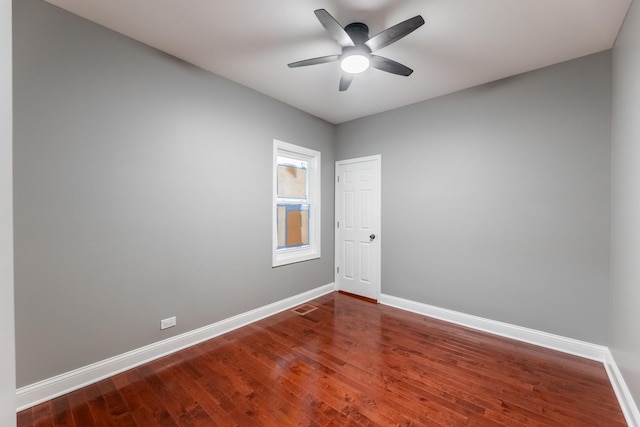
286,256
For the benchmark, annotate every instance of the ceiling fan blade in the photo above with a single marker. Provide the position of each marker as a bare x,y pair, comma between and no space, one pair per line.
345,81
334,28
395,33
390,66
314,61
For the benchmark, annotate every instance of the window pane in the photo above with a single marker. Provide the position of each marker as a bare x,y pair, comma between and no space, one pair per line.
292,179
296,193
293,225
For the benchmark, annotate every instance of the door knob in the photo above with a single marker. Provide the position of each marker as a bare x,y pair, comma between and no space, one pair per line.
372,236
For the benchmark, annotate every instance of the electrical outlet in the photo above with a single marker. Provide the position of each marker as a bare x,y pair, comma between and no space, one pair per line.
168,323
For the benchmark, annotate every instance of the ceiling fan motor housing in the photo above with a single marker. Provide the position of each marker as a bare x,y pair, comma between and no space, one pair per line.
358,32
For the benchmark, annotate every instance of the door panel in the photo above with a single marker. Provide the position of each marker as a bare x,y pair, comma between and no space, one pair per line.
348,209
358,226
348,260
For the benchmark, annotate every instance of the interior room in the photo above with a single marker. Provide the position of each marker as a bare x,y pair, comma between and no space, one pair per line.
137,185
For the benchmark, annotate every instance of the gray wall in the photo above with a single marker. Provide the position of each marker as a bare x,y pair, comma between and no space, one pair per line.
142,191
495,200
7,340
625,233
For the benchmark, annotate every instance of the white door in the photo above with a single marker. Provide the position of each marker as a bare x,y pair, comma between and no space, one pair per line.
358,236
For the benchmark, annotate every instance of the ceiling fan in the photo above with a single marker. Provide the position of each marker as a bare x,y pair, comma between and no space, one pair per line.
357,48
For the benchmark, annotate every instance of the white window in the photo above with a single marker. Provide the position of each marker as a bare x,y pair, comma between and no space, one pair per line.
296,203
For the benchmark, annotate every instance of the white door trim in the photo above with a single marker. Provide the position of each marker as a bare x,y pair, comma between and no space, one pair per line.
377,206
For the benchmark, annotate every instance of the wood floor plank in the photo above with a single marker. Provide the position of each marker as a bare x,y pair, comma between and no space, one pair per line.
353,376
62,415
80,409
288,387
97,405
219,417
228,391
290,368
25,418
177,401
42,415
420,394
347,363
152,403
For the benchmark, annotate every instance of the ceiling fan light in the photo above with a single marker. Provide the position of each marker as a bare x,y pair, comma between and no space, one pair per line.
355,64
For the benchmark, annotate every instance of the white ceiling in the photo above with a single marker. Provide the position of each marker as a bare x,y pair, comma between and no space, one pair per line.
464,43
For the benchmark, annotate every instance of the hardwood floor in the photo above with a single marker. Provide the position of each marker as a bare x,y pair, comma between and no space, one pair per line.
348,363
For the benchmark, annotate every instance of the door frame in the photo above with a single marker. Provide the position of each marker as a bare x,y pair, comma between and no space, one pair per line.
377,271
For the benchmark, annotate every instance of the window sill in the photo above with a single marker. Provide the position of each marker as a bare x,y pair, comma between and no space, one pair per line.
281,258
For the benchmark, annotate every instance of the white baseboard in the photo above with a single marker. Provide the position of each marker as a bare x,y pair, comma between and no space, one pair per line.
627,404
531,336
50,388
